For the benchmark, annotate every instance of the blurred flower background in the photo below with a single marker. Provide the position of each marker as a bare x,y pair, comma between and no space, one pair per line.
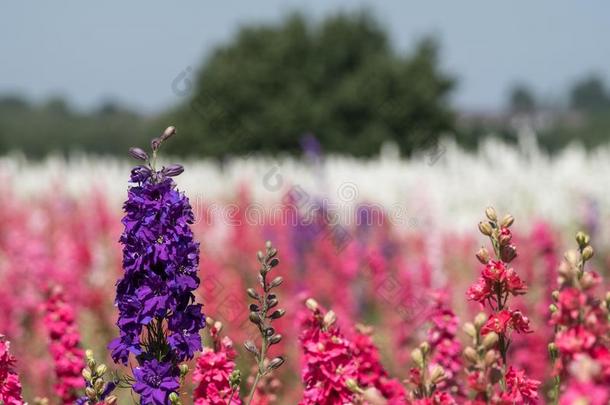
363,138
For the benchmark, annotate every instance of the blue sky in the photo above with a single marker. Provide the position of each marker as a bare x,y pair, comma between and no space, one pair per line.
130,51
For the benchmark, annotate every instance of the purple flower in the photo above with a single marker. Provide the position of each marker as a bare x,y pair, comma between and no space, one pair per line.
160,262
155,381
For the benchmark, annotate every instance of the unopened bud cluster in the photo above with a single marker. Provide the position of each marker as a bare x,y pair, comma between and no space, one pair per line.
97,390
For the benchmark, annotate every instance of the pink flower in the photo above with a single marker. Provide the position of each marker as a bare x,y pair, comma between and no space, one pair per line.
575,340
494,270
520,389
64,340
514,284
585,393
479,291
10,386
500,322
211,376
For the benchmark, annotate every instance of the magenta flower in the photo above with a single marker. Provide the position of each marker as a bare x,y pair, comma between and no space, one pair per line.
10,386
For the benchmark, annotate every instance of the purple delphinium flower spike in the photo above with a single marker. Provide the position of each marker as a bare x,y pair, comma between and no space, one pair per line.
159,321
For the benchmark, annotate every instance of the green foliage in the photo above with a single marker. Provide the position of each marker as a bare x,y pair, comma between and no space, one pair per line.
54,127
339,79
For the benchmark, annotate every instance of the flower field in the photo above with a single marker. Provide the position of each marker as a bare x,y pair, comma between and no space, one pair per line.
386,281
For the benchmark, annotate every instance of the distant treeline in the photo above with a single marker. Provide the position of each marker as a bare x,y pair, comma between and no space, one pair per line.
339,79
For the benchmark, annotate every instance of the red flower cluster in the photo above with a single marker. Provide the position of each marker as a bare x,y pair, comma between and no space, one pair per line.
328,360
581,349
502,321
213,371
495,283
10,386
64,337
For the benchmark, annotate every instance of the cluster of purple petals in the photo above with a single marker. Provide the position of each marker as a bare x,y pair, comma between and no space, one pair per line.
160,261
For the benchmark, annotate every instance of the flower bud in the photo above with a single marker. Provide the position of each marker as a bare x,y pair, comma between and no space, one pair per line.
555,295
437,374
469,329
235,378
90,392
255,318
174,398
425,348
276,282
582,239
553,308
99,385
251,347
278,314
311,304
275,339
218,326
329,318
470,354
111,400
553,352
276,363
101,369
587,253
138,153
507,221
172,170
253,294
418,357
168,133
86,374
480,320
485,228
483,255
352,385
490,340
508,253
491,357
490,213
184,369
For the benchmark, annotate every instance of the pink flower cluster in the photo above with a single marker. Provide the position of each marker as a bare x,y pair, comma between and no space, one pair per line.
581,347
10,386
64,338
334,368
214,367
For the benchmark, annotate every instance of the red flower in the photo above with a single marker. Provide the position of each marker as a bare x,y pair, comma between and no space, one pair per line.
514,284
479,291
495,270
575,340
520,389
501,321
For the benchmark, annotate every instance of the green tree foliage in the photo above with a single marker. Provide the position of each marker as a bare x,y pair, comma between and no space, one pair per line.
339,79
522,99
590,95
53,127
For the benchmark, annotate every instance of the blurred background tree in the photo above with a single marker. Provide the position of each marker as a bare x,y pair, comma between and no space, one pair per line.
339,79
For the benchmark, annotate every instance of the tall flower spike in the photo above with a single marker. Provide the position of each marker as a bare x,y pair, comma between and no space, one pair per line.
262,314
159,320
10,386
580,351
496,284
60,322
